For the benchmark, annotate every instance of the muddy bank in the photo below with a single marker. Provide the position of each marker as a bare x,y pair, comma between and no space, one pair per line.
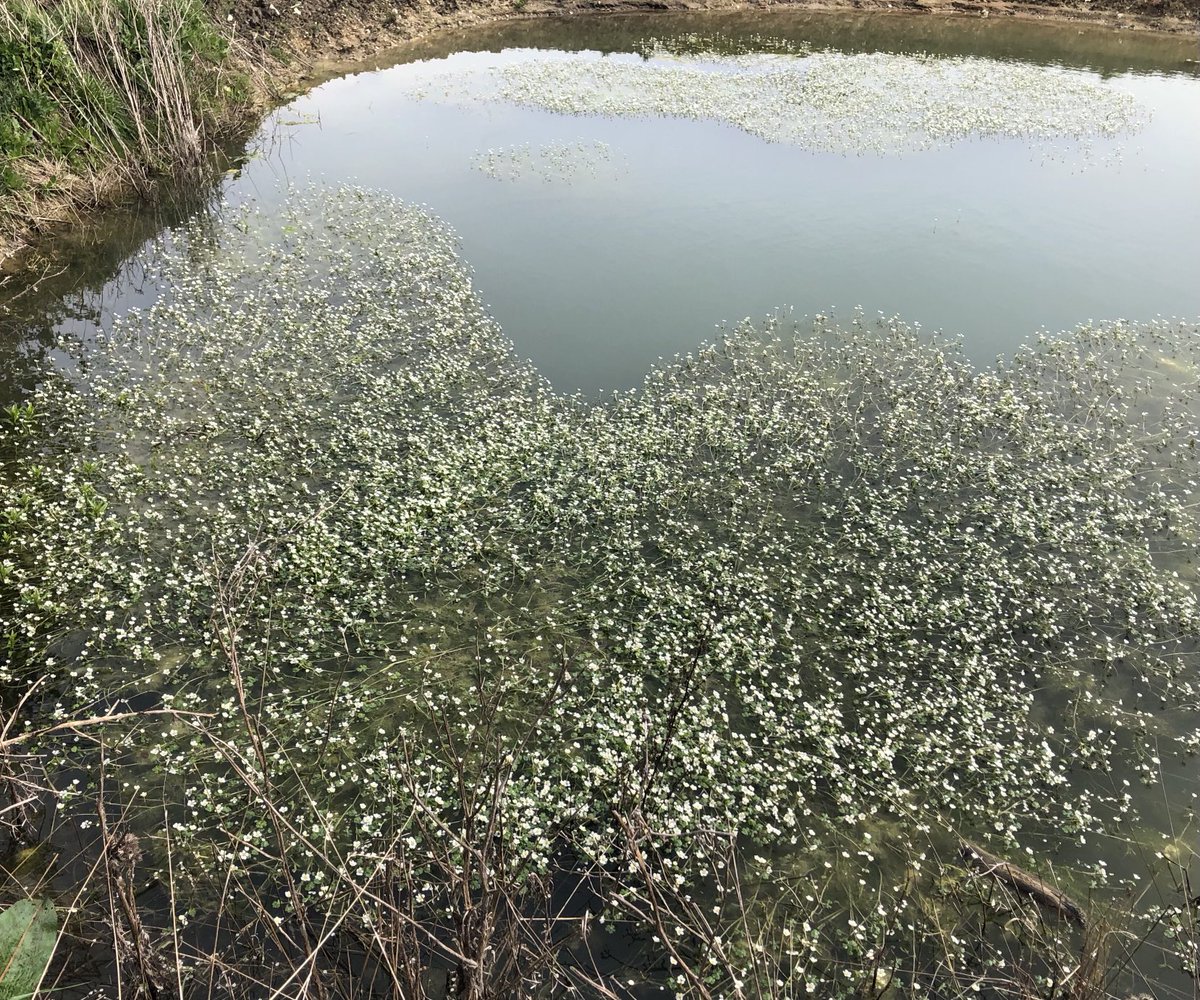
301,31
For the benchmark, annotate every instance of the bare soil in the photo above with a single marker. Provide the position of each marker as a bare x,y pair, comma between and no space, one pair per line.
305,34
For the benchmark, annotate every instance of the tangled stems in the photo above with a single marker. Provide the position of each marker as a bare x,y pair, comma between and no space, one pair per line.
833,594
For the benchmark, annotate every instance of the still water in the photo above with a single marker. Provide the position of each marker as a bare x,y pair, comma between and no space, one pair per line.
680,225
636,236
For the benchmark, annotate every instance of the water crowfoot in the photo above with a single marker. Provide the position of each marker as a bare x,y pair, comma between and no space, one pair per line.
757,641
833,102
548,162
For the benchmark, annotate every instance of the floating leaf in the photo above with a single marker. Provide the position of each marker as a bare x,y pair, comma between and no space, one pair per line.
28,932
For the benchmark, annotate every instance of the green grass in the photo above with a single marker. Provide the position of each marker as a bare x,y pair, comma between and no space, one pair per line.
93,90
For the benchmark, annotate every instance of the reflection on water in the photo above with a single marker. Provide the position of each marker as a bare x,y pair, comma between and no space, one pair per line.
94,275
1078,46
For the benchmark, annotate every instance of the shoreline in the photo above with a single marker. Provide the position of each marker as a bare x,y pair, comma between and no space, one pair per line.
362,28
315,40
346,34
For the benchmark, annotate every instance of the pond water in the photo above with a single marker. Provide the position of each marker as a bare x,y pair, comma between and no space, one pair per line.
619,188
672,227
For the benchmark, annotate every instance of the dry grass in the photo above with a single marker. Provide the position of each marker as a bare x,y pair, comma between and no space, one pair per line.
101,97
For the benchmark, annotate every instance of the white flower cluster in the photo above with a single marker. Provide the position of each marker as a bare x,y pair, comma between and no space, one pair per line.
550,162
826,101
805,587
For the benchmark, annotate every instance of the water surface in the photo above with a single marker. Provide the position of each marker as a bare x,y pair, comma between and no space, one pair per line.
691,224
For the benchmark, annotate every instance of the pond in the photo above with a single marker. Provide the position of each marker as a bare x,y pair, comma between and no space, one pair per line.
373,483
663,228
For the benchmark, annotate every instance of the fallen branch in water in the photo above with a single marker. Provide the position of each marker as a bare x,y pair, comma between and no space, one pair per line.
1023,882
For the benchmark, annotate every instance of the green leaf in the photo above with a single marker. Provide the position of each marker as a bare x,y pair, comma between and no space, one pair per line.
28,932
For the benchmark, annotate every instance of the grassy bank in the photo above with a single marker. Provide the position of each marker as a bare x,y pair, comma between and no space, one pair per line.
101,96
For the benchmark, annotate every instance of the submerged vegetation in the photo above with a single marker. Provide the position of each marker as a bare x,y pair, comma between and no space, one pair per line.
397,665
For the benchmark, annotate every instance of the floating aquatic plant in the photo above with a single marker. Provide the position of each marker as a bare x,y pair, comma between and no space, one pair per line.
826,101
831,591
549,162
708,45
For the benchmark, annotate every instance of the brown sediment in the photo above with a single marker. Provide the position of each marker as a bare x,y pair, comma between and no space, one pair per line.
1026,883
359,27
